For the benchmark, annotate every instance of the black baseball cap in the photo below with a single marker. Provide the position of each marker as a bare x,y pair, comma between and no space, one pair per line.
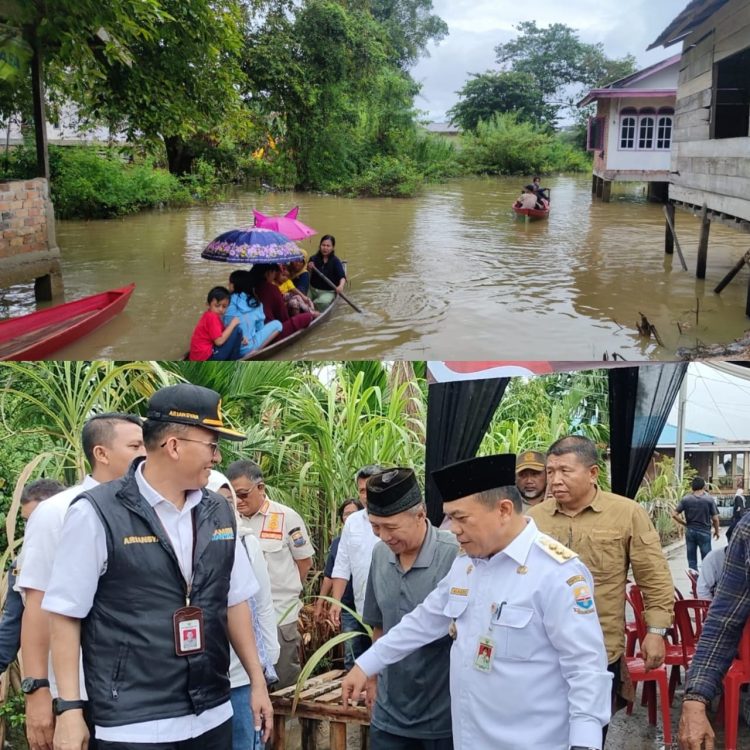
190,404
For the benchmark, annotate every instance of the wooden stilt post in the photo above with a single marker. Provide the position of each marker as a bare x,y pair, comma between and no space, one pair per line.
309,734
676,241
279,732
606,191
737,268
700,269
338,735
668,234
599,187
593,183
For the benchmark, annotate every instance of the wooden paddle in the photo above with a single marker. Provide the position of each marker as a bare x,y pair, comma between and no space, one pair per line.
333,286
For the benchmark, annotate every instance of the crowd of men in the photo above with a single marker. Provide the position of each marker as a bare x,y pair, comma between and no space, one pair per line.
159,598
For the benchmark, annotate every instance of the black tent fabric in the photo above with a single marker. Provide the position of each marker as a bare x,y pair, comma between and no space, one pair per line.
458,415
640,399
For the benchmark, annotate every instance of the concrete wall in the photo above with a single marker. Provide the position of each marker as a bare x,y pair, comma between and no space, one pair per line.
28,250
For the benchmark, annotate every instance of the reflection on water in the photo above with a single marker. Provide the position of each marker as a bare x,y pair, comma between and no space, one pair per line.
450,274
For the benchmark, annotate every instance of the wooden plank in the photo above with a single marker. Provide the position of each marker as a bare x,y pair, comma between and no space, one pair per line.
338,736
693,101
722,285
720,203
676,241
728,148
364,738
697,84
279,733
309,734
700,269
699,178
321,678
334,695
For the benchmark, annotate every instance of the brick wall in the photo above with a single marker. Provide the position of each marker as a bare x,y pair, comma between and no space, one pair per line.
28,249
23,217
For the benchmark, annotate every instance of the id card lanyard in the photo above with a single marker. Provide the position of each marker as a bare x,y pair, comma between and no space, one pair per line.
187,621
485,652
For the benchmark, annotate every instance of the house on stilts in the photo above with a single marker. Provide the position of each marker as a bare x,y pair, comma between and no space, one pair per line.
710,164
631,133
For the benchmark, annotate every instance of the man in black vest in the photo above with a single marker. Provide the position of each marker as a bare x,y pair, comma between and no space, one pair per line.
149,579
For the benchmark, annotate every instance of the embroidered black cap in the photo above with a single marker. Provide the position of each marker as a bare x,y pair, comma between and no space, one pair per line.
474,475
185,403
392,491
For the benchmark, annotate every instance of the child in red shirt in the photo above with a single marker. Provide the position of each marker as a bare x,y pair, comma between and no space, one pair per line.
211,340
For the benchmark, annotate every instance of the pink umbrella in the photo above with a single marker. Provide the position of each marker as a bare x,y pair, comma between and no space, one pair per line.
287,225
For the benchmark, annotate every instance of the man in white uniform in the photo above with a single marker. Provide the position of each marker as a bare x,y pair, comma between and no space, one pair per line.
528,663
110,443
288,552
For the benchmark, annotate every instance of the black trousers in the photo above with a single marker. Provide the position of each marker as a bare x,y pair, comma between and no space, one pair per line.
614,669
380,740
219,738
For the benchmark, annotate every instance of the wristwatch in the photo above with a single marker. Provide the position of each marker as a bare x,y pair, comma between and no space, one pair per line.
59,706
657,631
31,684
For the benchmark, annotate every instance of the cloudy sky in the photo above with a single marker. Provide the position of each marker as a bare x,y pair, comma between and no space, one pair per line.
477,26
717,403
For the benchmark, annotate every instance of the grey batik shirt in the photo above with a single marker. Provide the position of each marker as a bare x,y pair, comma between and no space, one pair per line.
413,695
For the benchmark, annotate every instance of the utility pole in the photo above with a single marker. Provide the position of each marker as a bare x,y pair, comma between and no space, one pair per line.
679,446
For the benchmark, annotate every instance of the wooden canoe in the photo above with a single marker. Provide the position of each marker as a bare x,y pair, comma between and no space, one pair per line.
39,334
265,352
531,213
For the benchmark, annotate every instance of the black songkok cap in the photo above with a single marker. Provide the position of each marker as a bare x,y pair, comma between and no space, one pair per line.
474,475
391,492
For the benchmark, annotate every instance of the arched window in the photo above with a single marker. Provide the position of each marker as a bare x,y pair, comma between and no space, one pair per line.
664,132
628,121
646,125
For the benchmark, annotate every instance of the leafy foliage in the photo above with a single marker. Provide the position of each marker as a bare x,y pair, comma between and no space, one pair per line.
558,60
485,94
505,145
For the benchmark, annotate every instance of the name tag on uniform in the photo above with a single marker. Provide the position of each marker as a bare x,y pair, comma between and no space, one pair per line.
485,652
272,526
188,631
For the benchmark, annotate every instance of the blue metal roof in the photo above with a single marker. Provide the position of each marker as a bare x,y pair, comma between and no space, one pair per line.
668,437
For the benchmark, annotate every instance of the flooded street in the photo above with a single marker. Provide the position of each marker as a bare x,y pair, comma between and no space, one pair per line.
450,274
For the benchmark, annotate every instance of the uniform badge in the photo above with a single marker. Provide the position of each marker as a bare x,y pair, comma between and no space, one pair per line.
455,591
584,602
298,539
272,526
522,570
483,657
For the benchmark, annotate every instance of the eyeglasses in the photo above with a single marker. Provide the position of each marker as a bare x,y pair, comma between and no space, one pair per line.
245,494
214,446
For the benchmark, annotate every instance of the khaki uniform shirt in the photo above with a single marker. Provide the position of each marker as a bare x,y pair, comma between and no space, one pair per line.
283,538
611,535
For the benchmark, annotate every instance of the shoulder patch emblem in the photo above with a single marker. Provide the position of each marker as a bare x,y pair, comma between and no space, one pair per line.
554,549
583,602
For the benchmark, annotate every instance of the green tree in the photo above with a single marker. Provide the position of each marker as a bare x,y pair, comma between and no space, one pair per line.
410,26
559,61
487,93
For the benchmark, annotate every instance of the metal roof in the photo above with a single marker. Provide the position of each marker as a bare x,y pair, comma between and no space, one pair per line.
693,16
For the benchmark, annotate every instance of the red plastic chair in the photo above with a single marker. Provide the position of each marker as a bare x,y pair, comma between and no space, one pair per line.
672,651
737,675
689,616
693,576
639,673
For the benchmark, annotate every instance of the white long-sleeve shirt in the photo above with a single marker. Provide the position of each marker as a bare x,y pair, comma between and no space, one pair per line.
354,555
546,684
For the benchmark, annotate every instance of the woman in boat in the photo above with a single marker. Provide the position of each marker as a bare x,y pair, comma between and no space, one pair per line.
256,331
326,262
262,282
542,193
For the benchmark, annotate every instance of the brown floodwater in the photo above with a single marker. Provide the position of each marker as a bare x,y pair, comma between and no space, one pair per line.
450,274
